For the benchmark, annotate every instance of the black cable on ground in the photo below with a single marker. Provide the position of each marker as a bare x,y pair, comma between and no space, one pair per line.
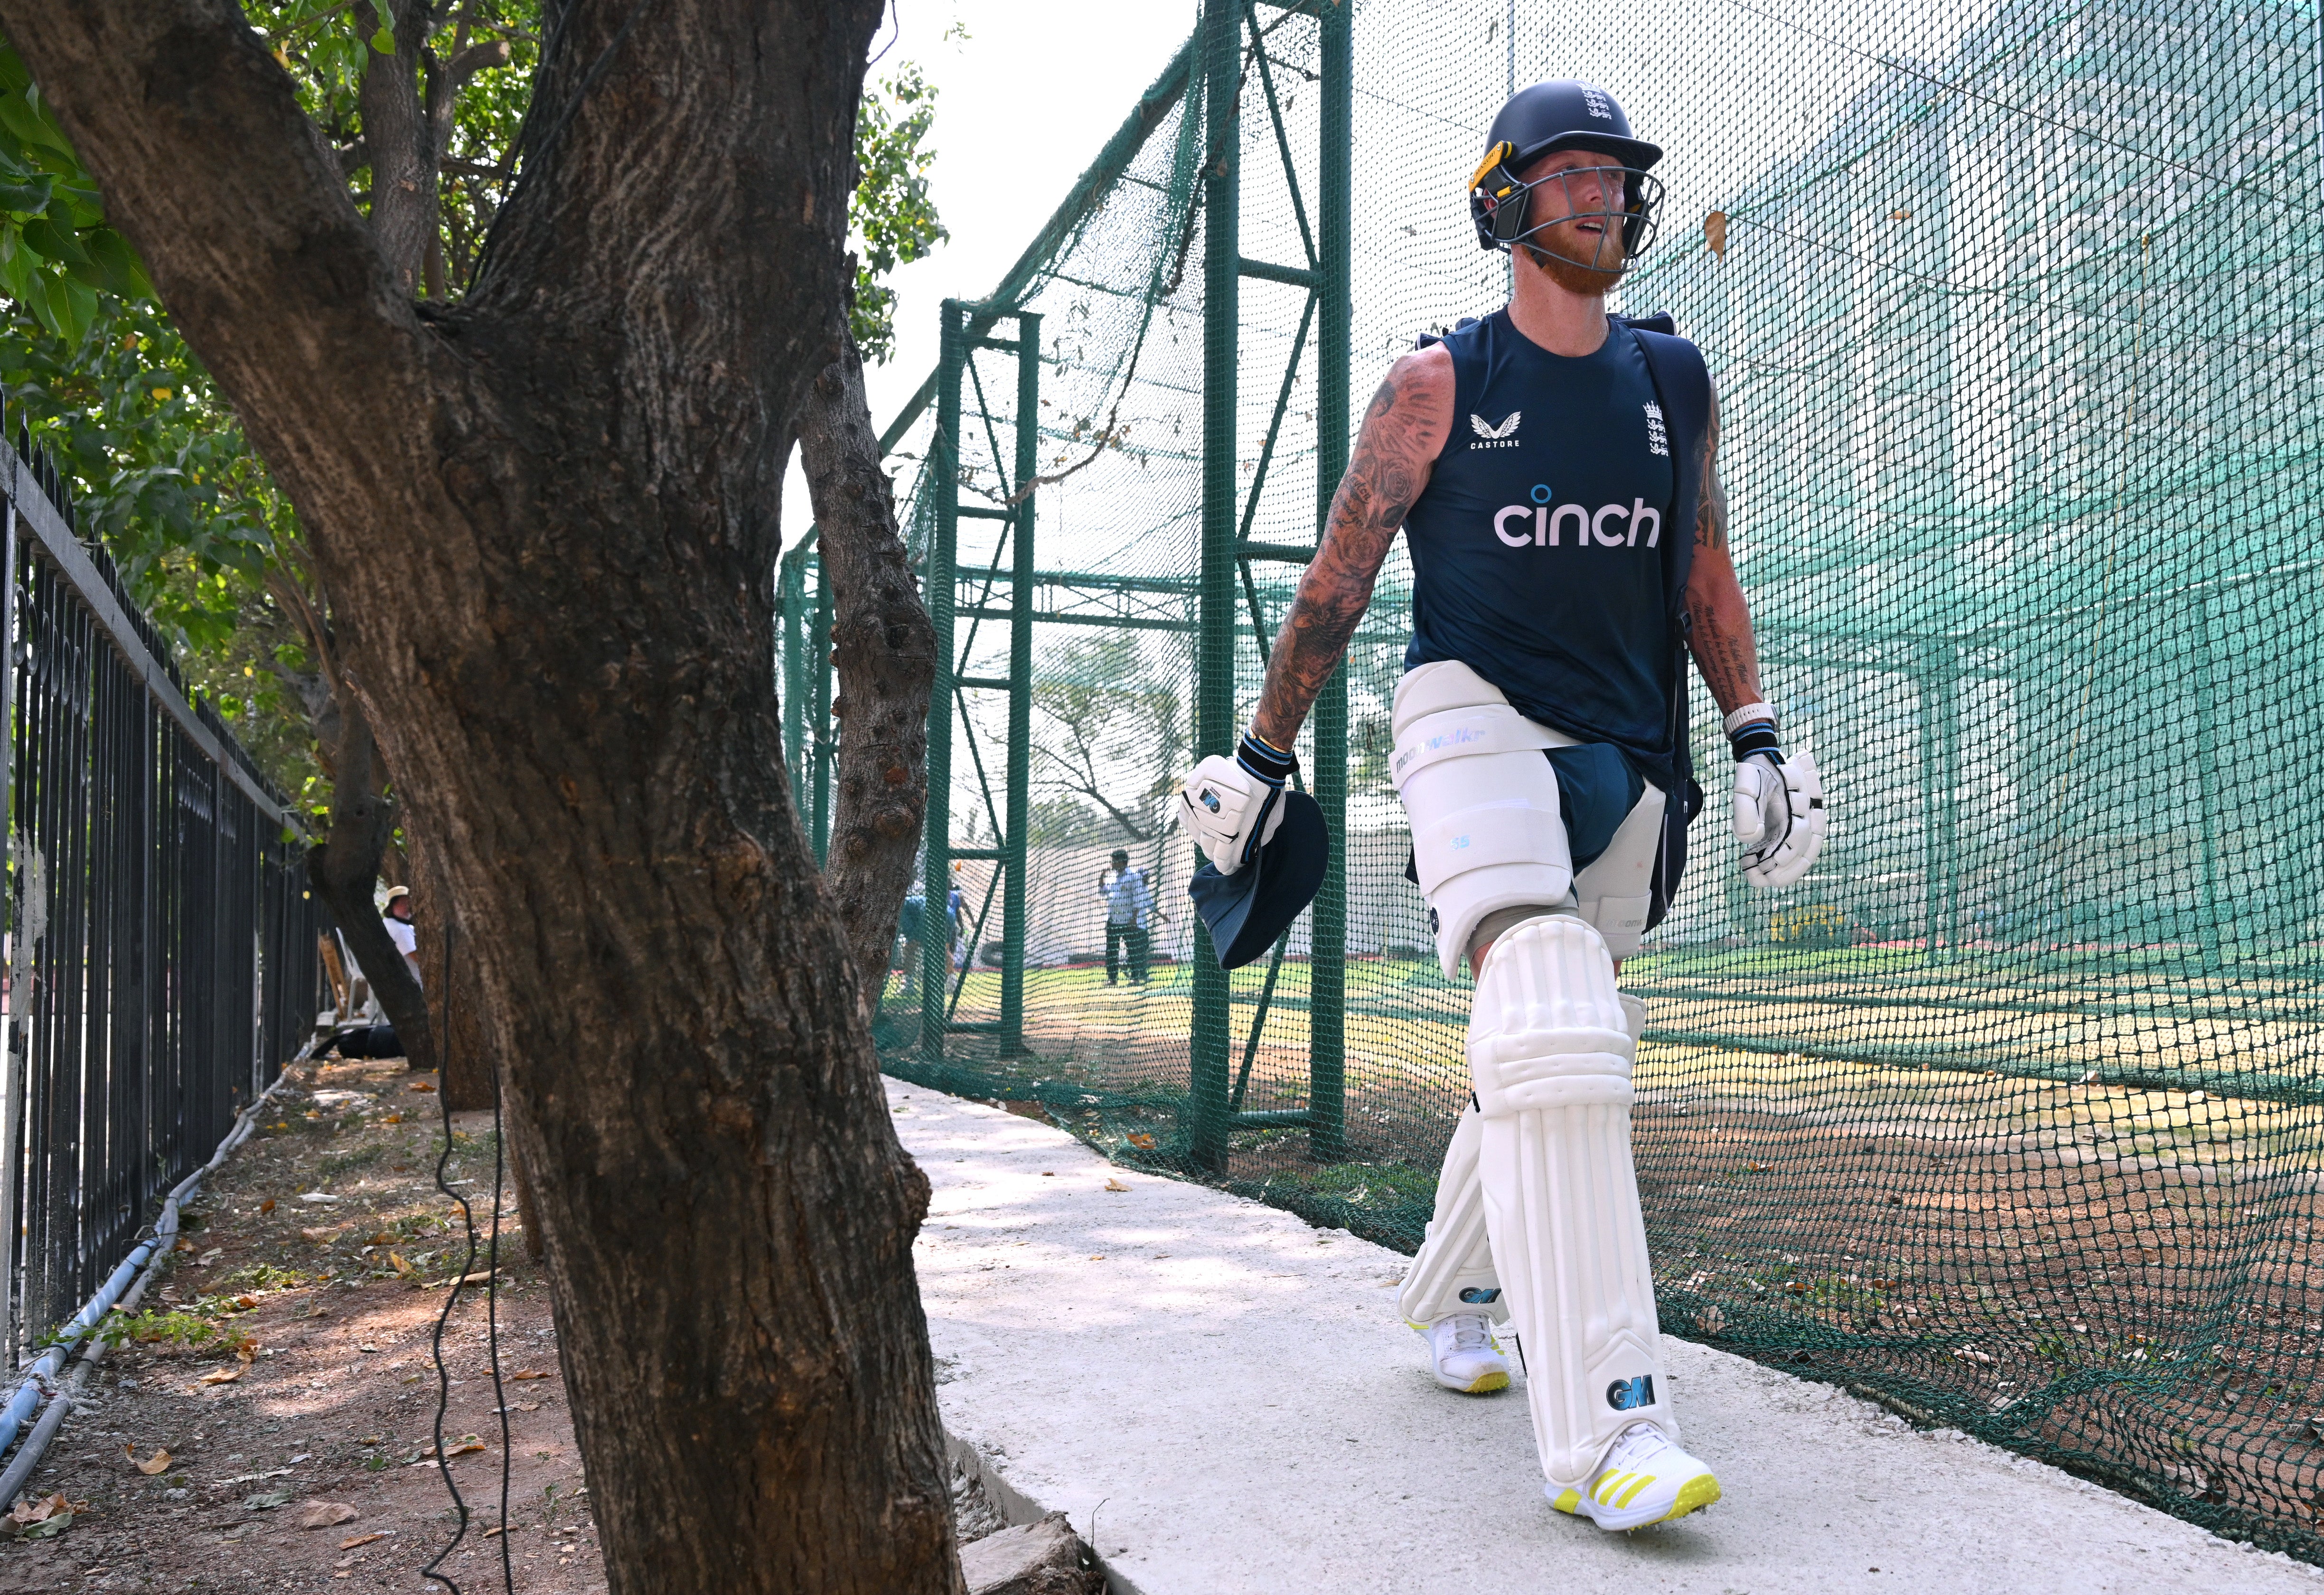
492,1321
451,1299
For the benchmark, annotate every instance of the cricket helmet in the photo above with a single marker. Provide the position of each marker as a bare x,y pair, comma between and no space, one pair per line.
1562,115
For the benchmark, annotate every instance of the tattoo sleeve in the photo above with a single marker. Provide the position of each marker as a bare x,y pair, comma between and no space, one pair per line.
1725,649
1404,427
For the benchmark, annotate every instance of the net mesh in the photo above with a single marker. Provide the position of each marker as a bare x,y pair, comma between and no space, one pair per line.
2008,1114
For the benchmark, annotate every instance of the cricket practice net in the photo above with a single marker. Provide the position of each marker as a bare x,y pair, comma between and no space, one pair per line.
2009,1114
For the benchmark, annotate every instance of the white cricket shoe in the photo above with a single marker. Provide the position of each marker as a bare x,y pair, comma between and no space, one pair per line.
1644,1479
1464,1354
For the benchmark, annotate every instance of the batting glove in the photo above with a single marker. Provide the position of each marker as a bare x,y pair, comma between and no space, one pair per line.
1779,806
1232,806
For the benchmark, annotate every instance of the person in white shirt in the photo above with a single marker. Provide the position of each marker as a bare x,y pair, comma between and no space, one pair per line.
398,917
1129,917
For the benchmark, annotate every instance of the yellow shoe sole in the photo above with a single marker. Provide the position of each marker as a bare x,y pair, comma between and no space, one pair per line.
1692,1495
1488,1383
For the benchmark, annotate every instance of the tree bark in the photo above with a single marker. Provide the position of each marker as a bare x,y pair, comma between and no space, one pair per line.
456,1007
883,648
343,868
547,516
455,1003
399,136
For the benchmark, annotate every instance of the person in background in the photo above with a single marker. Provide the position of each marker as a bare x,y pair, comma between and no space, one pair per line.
1129,917
909,928
400,929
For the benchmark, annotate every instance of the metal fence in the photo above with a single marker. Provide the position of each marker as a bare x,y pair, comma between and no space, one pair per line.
161,959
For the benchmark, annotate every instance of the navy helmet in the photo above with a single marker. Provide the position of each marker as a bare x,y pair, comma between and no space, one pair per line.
1563,115
1248,909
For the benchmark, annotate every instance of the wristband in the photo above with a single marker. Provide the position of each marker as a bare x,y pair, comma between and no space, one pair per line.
1265,760
1747,714
1756,738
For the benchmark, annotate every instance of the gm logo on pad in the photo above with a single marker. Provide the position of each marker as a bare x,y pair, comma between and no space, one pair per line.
1478,1298
1628,1395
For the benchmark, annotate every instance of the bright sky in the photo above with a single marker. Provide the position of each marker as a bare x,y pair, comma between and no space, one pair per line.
1023,102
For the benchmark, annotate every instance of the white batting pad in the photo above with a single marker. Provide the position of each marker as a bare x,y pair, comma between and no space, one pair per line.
1550,1050
1617,888
1453,1270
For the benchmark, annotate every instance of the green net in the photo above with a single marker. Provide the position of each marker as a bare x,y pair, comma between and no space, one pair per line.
2008,1115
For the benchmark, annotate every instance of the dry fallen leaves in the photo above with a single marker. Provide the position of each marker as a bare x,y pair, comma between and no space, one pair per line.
361,1539
1114,1185
44,1518
527,1373
245,1354
421,1086
318,1237
323,1514
158,1462
267,1205
1142,1141
405,1270
1714,232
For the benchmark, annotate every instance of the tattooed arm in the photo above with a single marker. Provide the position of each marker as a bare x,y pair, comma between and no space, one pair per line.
1404,429
1724,649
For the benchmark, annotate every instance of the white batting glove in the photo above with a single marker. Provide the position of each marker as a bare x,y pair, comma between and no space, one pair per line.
1233,807
1779,808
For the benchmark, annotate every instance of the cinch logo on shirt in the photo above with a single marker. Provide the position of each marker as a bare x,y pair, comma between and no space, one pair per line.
1548,525
1503,435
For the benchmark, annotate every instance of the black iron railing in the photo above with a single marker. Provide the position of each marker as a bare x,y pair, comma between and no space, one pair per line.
161,961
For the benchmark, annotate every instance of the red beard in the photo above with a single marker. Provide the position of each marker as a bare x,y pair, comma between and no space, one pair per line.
1563,249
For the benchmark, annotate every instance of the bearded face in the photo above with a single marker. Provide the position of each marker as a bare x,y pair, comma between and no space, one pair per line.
1577,222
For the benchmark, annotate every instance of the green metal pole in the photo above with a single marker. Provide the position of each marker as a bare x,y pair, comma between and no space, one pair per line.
819,801
937,584
1327,971
1021,689
791,599
1214,731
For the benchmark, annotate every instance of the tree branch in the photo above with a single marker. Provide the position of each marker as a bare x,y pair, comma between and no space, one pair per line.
345,866
234,203
883,648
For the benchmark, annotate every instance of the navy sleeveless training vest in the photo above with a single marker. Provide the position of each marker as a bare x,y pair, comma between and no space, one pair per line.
1551,547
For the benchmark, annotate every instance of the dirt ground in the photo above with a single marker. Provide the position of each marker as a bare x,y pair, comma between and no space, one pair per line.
323,1248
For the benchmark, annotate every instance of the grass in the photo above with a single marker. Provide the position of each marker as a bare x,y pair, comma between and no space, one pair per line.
333,1164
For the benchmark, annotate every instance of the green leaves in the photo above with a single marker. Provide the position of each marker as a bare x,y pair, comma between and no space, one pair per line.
890,215
56,251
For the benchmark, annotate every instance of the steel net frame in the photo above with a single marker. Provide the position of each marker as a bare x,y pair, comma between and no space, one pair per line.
2008,1115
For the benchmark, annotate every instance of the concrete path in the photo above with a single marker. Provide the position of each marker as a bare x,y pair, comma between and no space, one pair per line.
1231,1394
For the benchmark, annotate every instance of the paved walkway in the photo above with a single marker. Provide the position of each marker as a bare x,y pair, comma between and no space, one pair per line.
1230,1392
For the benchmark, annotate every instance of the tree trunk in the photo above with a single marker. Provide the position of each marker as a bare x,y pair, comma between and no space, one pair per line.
547,516
884,651
398,136
455,1003
343,868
